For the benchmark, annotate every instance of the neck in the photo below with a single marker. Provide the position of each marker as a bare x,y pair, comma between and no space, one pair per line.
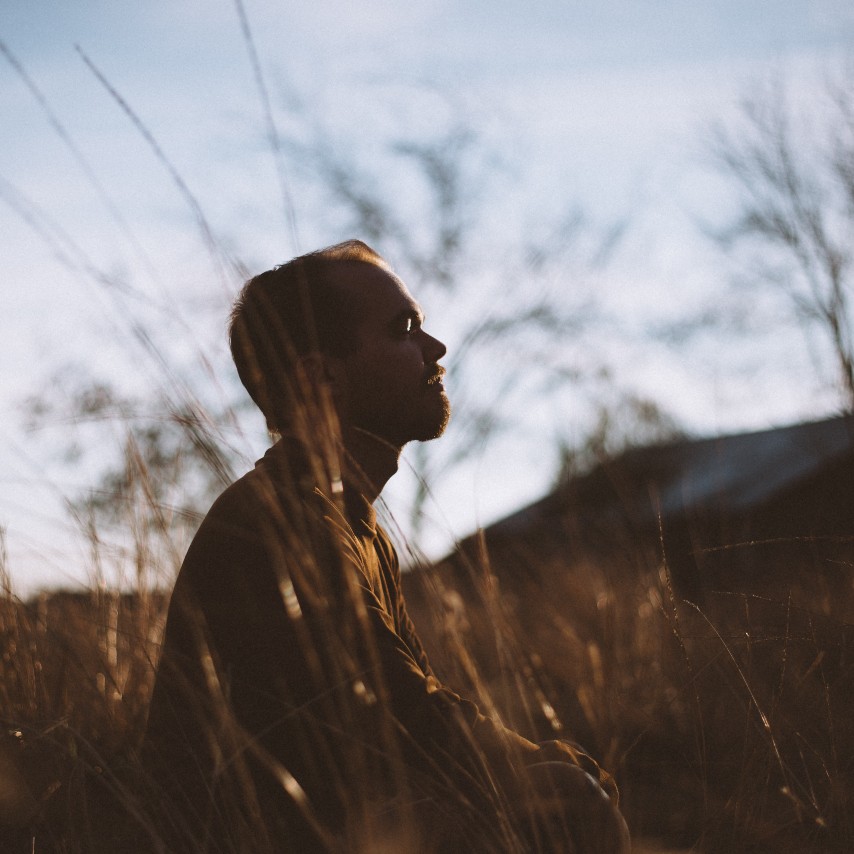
369,461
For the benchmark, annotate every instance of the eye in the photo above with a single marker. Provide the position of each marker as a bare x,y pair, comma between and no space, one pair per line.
409,325
405,324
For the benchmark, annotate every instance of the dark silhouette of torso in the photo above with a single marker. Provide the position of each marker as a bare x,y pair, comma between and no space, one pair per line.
294,705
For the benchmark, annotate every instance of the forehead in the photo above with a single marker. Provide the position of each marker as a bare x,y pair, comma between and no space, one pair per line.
376,295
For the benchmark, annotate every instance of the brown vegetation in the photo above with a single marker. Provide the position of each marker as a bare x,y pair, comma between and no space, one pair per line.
729,728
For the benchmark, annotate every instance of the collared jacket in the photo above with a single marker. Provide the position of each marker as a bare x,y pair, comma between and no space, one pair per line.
294,707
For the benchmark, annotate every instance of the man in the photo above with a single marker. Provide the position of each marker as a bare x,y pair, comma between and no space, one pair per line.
294,708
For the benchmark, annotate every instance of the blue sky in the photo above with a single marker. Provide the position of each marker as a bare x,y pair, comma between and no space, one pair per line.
606,101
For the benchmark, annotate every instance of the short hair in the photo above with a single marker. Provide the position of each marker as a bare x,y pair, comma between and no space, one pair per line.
291,311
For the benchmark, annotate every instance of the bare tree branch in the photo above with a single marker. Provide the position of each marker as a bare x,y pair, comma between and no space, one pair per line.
796,180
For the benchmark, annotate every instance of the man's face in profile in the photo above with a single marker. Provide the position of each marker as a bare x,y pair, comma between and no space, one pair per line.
392,381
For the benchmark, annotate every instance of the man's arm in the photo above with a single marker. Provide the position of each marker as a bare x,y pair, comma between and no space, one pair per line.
562,786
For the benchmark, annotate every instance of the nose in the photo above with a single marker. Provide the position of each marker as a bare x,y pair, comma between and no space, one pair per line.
433,348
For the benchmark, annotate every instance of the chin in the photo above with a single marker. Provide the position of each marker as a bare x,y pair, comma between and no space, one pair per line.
436,427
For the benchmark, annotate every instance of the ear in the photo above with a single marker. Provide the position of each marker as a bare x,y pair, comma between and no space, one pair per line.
322,369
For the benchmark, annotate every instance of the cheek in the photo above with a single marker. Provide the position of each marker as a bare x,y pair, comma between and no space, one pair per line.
397,363
385,375
367,377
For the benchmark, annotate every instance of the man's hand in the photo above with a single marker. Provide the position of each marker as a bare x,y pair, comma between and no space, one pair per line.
570,804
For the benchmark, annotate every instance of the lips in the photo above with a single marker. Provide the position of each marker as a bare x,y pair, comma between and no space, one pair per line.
434,378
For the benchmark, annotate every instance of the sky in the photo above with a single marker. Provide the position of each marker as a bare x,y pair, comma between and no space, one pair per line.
600,105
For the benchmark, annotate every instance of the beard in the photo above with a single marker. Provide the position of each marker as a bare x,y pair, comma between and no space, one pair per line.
397,408
436,406
423,419
434,425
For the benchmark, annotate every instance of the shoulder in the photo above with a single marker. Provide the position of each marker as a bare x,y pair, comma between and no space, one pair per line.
266,513
229,571
235,512
239,522
275,488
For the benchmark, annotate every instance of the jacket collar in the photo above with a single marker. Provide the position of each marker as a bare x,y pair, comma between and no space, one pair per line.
288,462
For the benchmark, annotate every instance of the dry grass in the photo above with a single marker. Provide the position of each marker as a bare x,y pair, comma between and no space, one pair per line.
730,727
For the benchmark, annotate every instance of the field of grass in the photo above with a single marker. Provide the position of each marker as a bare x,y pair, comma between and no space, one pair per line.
729,727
